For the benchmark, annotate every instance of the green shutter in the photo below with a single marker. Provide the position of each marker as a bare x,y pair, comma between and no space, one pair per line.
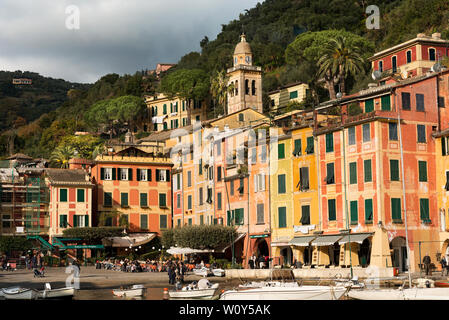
114,173
86,220
75,221
189,202
80,195
329,142
137,174
102,173
424,210
422,171
281,151
107,199
282,215
143,200
354,212
63,221
281,183
369,105
385,102
63,195
394,170
200,167
219,201
163,221
124,199
229,218
239,220
353,173
310,145
162,200
165,109
331,209
168,175
294,94
130,174
368,210
297,150
367,167
396,210
443,146
144,221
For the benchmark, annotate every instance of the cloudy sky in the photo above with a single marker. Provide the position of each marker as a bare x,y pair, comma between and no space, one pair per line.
120,36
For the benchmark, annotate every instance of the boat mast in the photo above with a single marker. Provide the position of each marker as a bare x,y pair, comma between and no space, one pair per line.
403,195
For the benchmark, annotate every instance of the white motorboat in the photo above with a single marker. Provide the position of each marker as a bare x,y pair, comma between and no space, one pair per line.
18,293
218,272
136,290
400,294
2,295
201,290
286,293
204,272
261,284
49,293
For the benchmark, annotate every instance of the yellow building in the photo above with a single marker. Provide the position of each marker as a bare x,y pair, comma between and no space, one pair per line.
295,92
442,185
167,114
281,196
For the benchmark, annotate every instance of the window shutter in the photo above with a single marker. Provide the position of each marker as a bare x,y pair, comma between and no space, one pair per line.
157,175
255,183
305,215
114,173
281,151
353,172
369,105
405,100
443,146
331,209
75,221
329,142
394,170
419,102
138,174
424,205
167,175
130,174
422,171
368,173
310,145
354,212
396,209
385,102
368,210
102,173
149,174
86,220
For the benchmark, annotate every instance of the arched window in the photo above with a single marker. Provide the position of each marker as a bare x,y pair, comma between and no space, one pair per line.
394,64
236,87
253,87
246,86
432,54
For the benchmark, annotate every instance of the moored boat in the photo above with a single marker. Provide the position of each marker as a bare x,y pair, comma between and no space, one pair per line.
201,290
136,290
218,272
260,284
286,293
441,283
401,294
60,293
19,293
204,272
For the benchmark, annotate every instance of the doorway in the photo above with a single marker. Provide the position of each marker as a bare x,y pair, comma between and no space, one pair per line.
399,258
286,255
262,248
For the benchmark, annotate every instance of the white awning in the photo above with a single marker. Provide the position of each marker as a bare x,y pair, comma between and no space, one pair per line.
327,240
132,240
176,250
239,236
302,241
356,237
159,119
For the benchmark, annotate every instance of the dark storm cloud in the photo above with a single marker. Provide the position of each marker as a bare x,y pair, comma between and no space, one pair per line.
119,36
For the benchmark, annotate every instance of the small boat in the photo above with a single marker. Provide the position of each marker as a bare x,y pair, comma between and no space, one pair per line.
136,290
2,295
350,283
218,272
49,293
286,293
18,293
204,272
202,289
401,294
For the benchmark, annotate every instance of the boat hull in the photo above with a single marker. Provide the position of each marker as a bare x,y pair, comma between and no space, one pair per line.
21,294
62,293
398,294
128,293
194,294
285,293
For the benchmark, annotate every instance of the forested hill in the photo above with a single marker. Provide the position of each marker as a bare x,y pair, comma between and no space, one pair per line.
21,104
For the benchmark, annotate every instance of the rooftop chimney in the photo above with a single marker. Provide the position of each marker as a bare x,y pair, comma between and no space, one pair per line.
436,35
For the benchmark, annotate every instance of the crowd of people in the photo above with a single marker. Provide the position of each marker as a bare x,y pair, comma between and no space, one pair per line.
260,262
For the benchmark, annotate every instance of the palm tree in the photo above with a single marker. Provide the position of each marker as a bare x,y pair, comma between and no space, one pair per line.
219,89
339,59
61,156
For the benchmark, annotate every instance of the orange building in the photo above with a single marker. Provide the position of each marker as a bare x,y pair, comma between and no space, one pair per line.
134,188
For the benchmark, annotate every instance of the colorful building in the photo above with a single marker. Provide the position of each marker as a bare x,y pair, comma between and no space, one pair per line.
134,188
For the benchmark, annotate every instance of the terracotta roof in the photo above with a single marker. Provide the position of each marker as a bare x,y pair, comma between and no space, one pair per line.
68,176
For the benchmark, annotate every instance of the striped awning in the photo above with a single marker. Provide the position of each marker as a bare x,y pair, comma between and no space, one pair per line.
355,237
326,240
302,241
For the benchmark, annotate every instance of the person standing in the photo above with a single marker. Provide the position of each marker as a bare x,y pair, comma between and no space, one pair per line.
443,265
251,263
426,260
